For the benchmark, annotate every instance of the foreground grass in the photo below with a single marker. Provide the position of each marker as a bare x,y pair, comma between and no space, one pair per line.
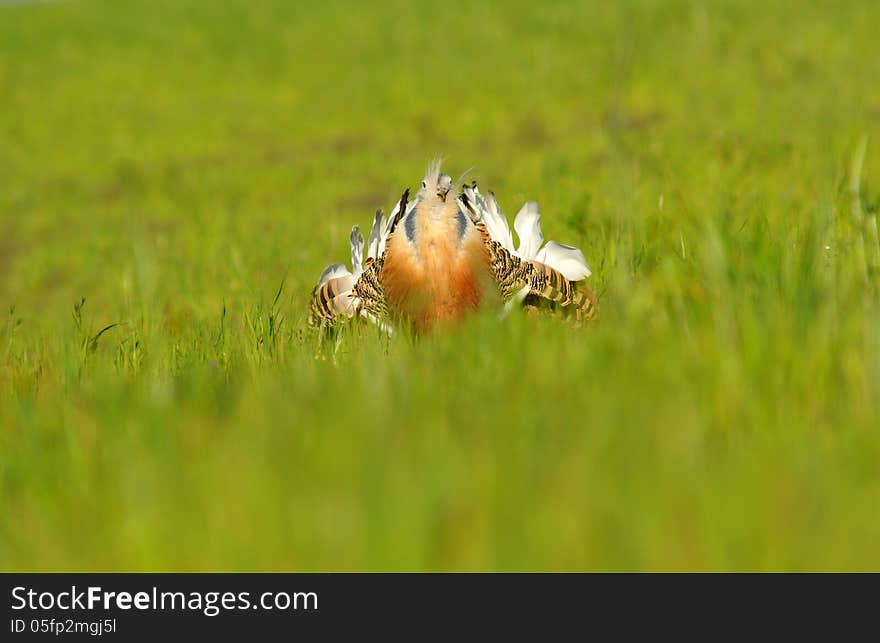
174,163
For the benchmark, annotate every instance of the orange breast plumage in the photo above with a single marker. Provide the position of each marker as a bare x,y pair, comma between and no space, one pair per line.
436,268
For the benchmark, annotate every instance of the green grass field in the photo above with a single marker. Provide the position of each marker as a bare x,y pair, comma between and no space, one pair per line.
175,162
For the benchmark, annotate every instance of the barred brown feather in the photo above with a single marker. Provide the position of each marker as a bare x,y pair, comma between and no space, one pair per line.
369,291
323,309
512,274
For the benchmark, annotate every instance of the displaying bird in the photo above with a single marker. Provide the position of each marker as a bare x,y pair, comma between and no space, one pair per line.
447,252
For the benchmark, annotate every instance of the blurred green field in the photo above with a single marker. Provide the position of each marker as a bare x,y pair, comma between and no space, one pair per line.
175,162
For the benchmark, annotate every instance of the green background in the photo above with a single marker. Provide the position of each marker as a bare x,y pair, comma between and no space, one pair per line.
174,162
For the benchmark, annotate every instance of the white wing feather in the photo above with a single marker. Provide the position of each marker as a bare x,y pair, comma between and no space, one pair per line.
528,228
566,259
357,251
334,271
376,245
496,223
